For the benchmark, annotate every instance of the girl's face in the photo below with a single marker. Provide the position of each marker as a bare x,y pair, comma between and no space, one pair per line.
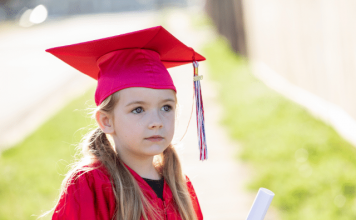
143,121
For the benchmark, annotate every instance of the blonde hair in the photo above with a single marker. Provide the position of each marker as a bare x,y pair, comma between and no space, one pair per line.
131,202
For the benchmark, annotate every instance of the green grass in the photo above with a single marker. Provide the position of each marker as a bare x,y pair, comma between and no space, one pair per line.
311,169
30,171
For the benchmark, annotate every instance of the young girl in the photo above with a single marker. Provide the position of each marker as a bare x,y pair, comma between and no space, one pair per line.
130,170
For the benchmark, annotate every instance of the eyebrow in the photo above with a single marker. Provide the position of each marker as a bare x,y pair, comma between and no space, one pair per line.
142,102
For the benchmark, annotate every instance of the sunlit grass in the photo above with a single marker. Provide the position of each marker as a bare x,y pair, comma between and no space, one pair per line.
311,169
30,171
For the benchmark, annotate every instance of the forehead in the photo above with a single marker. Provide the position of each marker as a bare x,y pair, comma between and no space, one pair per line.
145,94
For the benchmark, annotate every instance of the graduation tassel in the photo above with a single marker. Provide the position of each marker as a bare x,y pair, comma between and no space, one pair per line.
200,113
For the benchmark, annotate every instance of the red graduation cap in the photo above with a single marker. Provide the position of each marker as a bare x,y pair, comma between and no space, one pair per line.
135,59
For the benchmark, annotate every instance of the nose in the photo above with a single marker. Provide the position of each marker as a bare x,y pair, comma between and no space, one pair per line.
156,121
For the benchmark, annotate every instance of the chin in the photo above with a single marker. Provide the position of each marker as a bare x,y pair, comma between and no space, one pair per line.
154,150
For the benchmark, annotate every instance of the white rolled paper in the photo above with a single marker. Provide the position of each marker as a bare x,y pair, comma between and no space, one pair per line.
261,204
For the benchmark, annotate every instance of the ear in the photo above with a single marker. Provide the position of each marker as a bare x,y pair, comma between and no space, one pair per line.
105,122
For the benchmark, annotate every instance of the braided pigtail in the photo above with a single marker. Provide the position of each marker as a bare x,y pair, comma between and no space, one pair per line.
172,172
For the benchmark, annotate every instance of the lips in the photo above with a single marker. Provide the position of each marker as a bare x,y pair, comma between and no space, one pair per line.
155,138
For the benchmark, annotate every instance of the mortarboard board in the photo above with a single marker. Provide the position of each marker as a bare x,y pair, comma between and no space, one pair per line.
135,59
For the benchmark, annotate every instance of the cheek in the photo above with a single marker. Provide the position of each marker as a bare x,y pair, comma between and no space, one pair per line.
170,129
171,122
121,126
127,127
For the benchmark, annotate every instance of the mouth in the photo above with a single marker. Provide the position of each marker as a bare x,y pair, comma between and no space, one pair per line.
155,138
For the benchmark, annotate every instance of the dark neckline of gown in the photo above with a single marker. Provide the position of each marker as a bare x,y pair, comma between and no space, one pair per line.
156,185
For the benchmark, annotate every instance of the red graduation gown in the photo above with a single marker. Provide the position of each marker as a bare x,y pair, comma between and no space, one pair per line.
90,197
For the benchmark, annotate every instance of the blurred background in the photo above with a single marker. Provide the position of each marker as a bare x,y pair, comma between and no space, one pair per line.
278,90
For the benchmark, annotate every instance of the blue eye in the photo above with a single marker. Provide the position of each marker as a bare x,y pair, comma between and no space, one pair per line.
137,110
167,108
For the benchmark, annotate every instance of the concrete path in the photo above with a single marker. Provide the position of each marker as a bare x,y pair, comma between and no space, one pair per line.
35,84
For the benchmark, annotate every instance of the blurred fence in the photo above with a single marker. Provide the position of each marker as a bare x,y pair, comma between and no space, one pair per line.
228,17
311,44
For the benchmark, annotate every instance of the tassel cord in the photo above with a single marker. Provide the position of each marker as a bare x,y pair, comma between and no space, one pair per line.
200,115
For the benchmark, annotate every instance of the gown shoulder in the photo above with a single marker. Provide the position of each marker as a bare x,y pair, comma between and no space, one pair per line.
88,196
194,199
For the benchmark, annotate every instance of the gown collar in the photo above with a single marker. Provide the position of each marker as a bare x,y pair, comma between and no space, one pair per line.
148,191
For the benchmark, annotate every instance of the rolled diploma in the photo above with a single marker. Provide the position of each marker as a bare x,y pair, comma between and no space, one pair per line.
261,204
